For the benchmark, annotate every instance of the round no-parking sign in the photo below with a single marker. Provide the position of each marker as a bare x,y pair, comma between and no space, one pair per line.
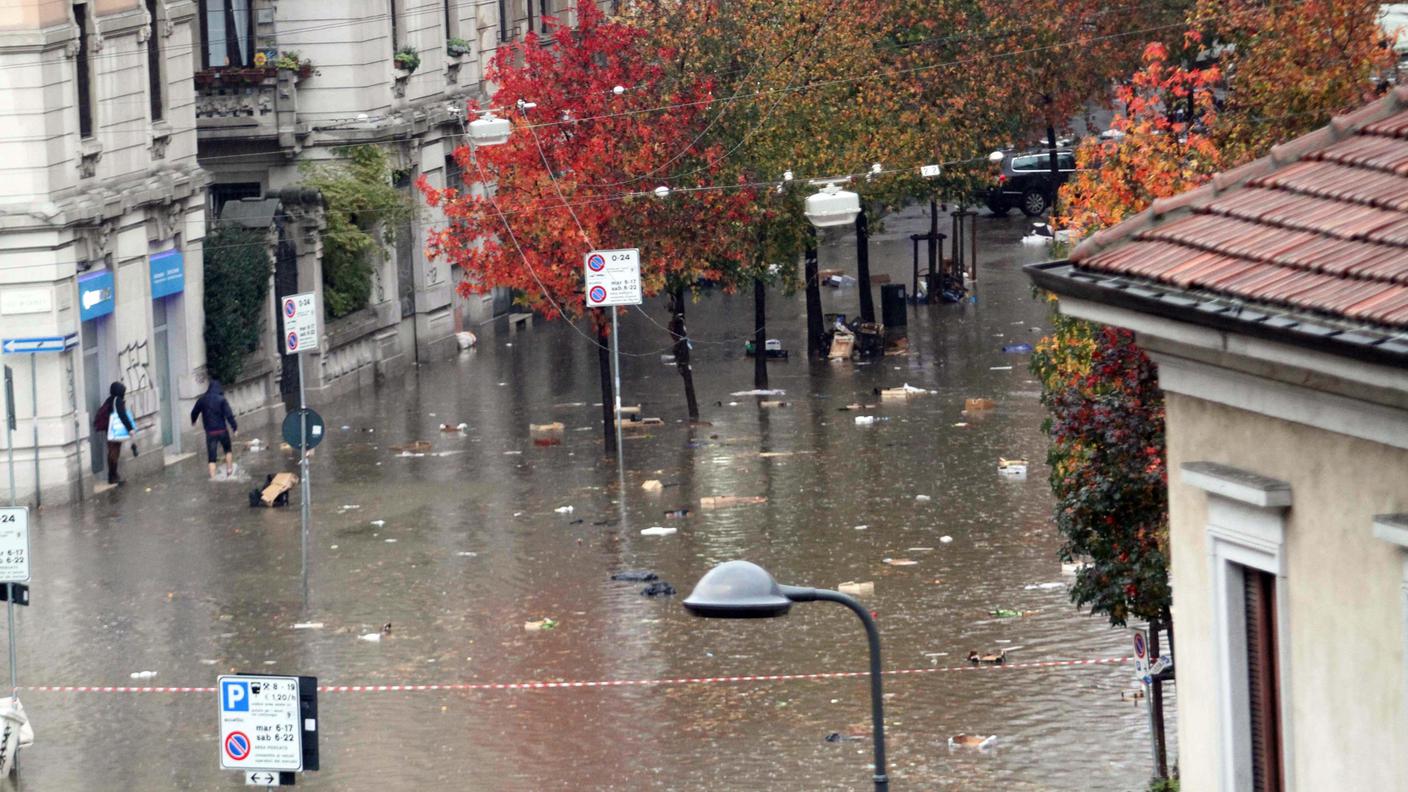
237,746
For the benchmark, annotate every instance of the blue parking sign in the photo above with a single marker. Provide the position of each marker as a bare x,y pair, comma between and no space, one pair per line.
234,696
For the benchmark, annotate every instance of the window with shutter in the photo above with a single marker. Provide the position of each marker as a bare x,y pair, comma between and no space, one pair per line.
1263,682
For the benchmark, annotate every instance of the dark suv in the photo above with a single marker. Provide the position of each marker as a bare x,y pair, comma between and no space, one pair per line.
1025,182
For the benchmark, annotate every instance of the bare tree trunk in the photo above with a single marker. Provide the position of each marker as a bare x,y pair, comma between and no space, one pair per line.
867,300
760,335
680,334
815,331
608,397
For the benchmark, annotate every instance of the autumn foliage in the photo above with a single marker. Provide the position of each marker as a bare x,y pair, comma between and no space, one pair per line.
574,175
1245,75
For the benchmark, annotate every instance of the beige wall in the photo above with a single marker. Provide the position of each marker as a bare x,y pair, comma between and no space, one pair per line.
33,14
1345,615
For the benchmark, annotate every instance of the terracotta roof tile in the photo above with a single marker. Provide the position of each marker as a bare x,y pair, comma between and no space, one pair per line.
1321,227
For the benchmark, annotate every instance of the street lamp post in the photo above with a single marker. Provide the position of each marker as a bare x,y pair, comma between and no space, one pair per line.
744,590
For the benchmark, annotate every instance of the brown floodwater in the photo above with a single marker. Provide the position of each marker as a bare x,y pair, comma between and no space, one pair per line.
458,550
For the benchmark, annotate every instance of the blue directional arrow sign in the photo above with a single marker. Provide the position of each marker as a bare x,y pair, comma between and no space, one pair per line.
24,346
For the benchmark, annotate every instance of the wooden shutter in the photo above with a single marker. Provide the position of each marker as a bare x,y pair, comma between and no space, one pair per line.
1263,680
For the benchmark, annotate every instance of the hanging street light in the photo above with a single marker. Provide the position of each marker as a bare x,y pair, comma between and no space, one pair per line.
489,130
744,590
832,206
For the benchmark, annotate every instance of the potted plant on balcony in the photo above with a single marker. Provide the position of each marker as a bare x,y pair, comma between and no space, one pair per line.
456,47
293,62
407,59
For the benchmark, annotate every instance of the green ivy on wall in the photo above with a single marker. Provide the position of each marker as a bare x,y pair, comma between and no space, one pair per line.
363,210
237,270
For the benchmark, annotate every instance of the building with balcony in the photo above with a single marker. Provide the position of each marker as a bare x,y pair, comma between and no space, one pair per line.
102,214
280,86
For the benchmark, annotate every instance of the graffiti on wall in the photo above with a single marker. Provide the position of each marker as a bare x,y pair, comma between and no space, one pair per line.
134,362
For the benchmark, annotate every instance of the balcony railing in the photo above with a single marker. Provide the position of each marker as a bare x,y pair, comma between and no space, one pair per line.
246,102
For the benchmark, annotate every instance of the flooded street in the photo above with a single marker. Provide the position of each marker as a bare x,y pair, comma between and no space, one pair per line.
457,550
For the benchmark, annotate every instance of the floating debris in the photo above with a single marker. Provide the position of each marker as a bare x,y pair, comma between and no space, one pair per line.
1012,468
972,741
636,576
540,625
657,531
857,588
659,588
722,501
899,562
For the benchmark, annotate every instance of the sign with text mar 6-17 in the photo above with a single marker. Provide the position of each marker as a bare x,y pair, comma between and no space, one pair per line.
259,723
612,278
300,313
14,545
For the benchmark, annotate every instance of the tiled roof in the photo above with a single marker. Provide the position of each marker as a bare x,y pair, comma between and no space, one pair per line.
1319,227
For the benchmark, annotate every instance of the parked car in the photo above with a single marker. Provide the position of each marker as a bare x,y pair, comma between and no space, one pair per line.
1024,182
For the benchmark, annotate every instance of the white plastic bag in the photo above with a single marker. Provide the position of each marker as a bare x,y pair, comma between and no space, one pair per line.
16,733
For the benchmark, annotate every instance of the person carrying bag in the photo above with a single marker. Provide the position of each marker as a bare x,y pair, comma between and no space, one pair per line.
116,431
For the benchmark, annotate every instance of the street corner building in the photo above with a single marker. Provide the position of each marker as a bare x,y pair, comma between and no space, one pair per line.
136,128
1275,301
101,222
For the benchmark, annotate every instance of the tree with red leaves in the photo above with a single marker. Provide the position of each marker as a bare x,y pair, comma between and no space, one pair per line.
583,102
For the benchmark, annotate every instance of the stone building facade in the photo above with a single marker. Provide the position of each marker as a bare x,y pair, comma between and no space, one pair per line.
102,214
261,126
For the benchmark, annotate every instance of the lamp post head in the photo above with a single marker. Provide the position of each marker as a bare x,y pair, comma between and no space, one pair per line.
489,130
737,590
832,206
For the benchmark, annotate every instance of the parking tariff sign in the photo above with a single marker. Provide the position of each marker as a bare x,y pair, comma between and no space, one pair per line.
300,315
260,726
612,277
14,545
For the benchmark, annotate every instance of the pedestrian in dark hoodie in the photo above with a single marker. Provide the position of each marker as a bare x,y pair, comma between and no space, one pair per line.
219,420
115,431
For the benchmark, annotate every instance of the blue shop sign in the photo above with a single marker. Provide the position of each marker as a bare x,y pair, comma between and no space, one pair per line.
95,294
168,269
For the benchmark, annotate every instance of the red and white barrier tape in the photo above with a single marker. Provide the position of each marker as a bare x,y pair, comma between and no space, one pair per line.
473,686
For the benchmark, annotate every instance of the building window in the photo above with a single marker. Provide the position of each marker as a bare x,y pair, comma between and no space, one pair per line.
395,12
503,20
452,19
1246,530
454,174
528,9
227,33
221,194
155,86
1263,679
83,73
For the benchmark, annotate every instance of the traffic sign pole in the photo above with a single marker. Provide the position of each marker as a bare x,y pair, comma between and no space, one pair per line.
34,400
616,369
303,488
10,427
300,319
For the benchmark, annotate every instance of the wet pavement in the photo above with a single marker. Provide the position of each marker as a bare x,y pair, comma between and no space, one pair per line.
458,548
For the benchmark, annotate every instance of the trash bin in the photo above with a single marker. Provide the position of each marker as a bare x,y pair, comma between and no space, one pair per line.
892,305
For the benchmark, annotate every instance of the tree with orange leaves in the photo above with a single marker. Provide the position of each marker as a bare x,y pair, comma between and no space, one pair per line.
584,107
